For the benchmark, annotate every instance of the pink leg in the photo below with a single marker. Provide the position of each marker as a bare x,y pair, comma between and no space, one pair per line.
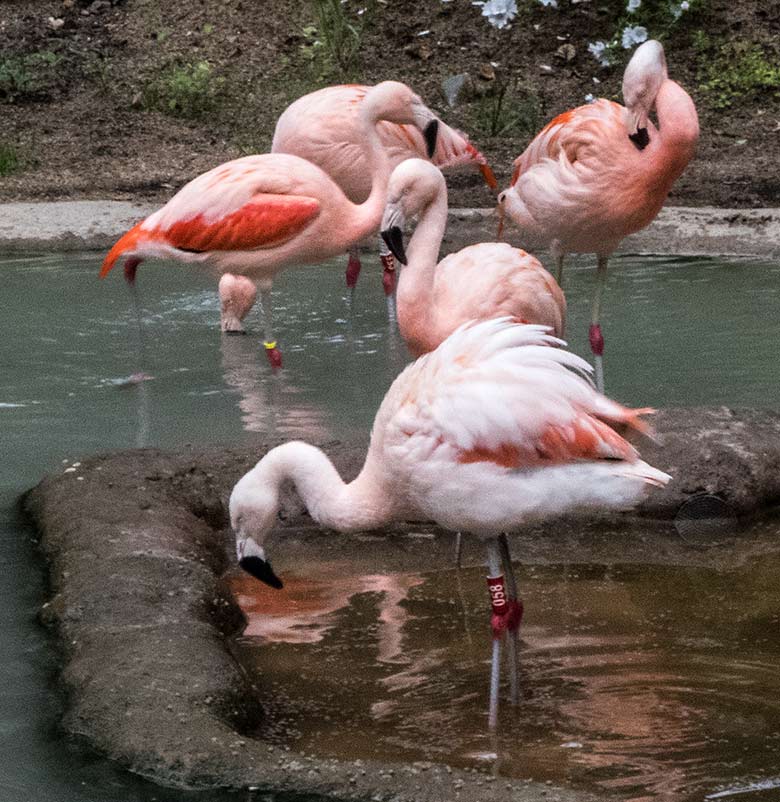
353,267
388,273
595,335
269,343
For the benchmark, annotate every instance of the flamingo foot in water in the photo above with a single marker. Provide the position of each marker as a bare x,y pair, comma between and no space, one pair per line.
353,270
274,355
388,272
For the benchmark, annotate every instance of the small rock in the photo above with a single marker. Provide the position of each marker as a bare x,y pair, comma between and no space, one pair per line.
566,53
55,23
486,72
546,69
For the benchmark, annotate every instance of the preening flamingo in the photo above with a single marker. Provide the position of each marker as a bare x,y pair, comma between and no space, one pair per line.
237,295
479,282
600,172
257,215
491,431
324,128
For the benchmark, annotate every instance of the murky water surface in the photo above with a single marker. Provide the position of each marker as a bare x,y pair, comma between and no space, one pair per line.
646,682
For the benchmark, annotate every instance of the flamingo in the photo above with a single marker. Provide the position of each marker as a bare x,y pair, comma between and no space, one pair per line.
491,431
324,128
600,172
259,214
482,281
237,296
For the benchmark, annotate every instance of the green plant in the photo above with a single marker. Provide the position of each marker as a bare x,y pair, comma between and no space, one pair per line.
508,108
337,33
10,161
734,69
189,90
27,75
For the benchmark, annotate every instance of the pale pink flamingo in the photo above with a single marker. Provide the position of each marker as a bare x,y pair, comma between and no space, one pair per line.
257,215
600,172
479,282
237,295
490,432
324,128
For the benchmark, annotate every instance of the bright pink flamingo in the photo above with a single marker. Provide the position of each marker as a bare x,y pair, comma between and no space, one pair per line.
324,128
600,172
237,295
479,282
490,432
257,215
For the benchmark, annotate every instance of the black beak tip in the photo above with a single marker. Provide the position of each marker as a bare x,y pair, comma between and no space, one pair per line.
431,134
260,569
641,138
394,239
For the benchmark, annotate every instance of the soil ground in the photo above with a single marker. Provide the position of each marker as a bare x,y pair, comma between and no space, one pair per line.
83,84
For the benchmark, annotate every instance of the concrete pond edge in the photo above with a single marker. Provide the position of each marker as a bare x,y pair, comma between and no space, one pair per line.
137,547
59,226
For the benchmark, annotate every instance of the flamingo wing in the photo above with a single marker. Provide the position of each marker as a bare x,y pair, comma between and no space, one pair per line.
570,134
496,392
246,204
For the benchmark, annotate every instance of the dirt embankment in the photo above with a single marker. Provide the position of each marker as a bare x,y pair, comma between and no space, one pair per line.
128,99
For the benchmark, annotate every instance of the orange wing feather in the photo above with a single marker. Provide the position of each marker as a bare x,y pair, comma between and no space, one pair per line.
585,438
264,222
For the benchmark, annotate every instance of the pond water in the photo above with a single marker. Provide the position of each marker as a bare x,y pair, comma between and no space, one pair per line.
678,332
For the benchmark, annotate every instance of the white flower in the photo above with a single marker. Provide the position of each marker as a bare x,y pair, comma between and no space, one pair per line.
678,10
553,3
498,12
599,51
633,35
589,98
633,5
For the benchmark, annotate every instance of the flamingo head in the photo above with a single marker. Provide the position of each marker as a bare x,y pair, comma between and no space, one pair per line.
253,509
414,185
237,295
641,81
397,103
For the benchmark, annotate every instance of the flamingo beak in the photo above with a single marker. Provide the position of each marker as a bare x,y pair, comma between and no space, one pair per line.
261,569
641,138
394,239
431,133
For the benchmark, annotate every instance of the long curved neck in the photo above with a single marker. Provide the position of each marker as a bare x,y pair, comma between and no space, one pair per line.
360,504
678,129
369,213
415,284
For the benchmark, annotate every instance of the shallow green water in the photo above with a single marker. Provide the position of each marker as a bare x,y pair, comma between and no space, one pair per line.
692,332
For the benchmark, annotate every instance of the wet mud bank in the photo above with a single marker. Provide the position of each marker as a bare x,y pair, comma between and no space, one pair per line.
682,231
137,545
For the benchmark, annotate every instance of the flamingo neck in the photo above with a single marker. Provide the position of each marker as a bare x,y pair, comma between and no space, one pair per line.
332,503
369,213
416,283
678,131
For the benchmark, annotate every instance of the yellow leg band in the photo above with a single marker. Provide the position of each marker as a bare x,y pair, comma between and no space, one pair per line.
270,346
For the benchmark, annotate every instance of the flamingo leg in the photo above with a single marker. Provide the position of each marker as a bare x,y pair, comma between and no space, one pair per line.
559,269
352,272
269,343
458,548
513,630
494,571
594,334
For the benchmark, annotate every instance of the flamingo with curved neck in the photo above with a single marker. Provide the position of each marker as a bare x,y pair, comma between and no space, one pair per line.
479,282
490,432
257,215
324,128
602,171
